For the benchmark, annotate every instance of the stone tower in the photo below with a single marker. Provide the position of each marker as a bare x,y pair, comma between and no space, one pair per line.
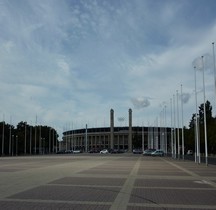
130,131
112,128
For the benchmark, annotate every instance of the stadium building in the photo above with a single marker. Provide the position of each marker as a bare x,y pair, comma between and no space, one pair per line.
122,138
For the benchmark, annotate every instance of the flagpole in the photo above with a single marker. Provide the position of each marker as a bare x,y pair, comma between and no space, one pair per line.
177,96
3,124
10,138
174,126
142,138
205,127
35,135
171,120
196,127
182,125
214,67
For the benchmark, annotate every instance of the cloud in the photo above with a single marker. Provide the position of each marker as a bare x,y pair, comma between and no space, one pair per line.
140,103
206,61
185,97
74,60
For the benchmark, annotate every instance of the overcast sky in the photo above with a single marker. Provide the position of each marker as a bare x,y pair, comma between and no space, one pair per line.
69,62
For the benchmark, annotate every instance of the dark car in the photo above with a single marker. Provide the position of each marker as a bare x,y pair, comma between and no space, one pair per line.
61,152
94,150
137,151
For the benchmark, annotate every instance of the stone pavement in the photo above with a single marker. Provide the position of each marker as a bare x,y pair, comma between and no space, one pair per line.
94,181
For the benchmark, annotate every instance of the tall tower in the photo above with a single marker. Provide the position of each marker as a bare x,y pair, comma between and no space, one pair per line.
130,131
111,128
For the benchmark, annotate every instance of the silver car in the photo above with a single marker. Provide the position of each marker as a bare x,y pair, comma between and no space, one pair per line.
157,153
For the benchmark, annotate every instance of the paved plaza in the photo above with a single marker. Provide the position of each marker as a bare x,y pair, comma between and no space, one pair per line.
125,182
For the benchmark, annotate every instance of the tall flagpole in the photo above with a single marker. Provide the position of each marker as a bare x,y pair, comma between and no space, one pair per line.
165,129
214,71
177,96
174,126
182,124
10,138
214,68
142,138
196,126
35,135
3,124
205,127
171,126
25,140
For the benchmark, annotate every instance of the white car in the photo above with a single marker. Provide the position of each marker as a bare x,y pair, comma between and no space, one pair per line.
76,151
190,152
104,151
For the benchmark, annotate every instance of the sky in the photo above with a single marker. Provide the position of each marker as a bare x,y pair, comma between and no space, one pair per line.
66,63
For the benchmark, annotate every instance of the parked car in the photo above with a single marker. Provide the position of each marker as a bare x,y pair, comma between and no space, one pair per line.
104,151
190,152
113,151
94,150
61,152
157,153
148,152
77,151
137,151
68,151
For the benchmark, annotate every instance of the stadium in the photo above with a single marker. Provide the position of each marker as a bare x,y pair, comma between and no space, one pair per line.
121,138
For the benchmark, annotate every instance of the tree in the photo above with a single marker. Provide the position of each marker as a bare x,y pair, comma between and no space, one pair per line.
208,112
211,132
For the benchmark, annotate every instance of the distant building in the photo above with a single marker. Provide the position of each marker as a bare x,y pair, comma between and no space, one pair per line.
122,138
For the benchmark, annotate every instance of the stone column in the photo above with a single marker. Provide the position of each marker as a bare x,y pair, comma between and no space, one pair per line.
130,132
111,128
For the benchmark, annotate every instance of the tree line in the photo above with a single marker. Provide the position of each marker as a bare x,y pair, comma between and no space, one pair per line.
190,133
25,139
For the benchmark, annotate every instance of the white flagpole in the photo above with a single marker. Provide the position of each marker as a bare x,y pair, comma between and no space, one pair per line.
182,124
35,135
171,126
142,138
205,127
214,67
25,140
177,96
174,126
10,138
196,126
3,137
